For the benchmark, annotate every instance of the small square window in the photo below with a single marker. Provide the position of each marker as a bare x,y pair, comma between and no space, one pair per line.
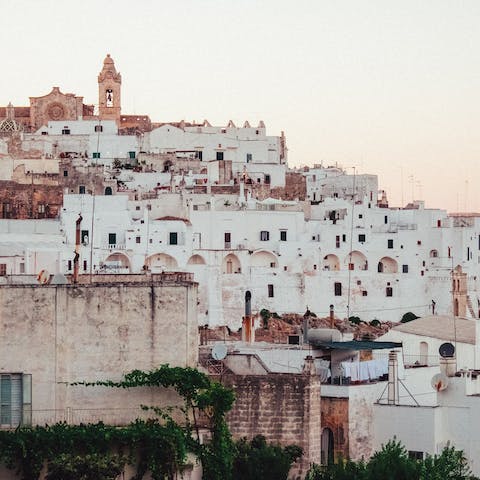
361,237
389,292
364,293
65,173
81,189
96,154
404,268
138,239
98,128
219,156
264,236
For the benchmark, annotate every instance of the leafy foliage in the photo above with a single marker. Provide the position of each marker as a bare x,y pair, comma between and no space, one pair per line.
157,445
257,460
392,462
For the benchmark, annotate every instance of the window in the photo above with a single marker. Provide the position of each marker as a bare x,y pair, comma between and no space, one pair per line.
264,236
361,237
219,155
84,237
96,154
138,239
344,238
15,399
267,179
414,455
149,206
65,173
337,241
199,155
364,293
227,237
3,269
389,292
137,207
108,190
81,189
249,157
404,268
173,238
85,266
283,235
390,243
270,291
69,267
112,238
98,128
131,155
41,208
66,131
22,267
360,215
337,288
385,219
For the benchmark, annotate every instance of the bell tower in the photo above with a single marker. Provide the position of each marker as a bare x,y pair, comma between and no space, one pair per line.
109,88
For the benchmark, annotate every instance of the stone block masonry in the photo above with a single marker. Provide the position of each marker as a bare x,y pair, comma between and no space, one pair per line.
285,408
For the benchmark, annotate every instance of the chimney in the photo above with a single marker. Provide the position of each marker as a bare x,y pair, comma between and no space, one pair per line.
332,317
393,378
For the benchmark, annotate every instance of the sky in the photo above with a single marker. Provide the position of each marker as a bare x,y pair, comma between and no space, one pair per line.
380,86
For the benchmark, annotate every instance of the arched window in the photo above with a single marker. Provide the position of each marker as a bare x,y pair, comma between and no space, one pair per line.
108,190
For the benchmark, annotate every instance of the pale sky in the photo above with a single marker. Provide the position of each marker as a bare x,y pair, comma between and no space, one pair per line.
391,87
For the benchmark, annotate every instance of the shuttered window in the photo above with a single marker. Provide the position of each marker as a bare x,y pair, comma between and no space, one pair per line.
15,399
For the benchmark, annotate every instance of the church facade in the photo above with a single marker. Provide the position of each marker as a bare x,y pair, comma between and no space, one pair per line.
58,106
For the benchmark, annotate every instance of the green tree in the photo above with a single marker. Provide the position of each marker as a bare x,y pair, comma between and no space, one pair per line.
451,464
257,460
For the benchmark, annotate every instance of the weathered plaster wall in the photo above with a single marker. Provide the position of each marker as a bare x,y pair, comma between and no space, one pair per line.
335,417
64,334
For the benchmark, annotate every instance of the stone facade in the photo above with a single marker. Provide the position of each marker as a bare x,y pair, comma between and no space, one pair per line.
22,201
285,408
109,91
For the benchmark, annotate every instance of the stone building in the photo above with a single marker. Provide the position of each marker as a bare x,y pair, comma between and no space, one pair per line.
56,334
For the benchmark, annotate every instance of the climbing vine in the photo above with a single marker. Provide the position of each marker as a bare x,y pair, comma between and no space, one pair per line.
157,445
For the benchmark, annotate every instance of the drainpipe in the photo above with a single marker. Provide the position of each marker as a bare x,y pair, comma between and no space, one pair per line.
76,258
248,333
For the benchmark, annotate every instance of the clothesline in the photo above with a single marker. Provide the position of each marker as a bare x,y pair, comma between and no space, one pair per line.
367,370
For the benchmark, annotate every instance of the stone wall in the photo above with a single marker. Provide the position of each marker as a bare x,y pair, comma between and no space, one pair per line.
21,201
285,408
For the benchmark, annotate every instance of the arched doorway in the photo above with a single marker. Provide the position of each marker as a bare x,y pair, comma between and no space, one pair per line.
108,191
327,447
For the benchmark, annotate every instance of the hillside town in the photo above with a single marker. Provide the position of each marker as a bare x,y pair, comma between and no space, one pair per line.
338,320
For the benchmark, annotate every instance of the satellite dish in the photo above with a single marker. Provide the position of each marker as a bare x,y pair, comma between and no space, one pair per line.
219,351
446,350
43,276
439,382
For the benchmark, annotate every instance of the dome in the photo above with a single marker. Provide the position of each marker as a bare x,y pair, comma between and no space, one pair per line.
9,126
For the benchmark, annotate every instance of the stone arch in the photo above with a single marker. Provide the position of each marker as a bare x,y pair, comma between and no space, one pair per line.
331,262
196,260
115,262
387,265
160,261
231,264
108,191
356,261
263,258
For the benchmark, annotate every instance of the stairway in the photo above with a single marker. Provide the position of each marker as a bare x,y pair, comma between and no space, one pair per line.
470,307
